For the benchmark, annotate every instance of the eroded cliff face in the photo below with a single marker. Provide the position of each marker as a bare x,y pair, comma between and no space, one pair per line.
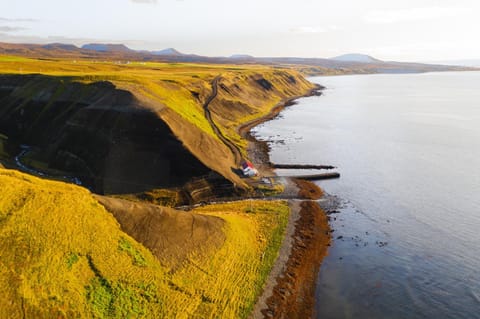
99,133
243,97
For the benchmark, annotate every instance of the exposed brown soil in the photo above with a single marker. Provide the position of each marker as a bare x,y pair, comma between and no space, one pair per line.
294,294
171,235
308,190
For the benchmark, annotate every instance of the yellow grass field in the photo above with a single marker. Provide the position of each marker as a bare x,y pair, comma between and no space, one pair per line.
64,256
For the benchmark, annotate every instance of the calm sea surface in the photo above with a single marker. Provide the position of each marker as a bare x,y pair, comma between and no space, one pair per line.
407,239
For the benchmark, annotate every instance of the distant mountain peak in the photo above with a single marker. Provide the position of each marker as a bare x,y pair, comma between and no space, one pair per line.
167,51
60,46
241,57
106,47
356,57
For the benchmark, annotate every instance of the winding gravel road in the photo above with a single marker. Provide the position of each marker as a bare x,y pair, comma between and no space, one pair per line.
237,154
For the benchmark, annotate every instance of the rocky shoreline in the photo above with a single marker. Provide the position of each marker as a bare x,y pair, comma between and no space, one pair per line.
290,288
258,151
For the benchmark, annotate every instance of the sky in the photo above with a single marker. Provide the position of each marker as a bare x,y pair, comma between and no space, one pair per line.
407,30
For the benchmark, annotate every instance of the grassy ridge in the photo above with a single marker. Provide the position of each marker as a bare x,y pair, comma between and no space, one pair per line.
164,83
63,255
182,87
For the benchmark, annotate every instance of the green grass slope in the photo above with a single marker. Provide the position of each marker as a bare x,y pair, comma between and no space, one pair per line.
62,255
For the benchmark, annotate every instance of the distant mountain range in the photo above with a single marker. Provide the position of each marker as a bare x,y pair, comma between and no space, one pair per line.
169,51
356,57
101,47
466,62
241,57
343,64
60,46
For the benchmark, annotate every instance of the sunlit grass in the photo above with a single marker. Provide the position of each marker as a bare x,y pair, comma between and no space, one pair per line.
63,255
172,84
8,58
254,234
57,243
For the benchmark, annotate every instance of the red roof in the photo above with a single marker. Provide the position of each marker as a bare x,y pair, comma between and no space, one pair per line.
247,164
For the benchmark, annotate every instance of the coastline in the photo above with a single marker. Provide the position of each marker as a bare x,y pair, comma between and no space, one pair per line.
258,151
289,291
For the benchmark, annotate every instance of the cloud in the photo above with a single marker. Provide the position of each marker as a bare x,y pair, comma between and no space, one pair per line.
144,1
314,29
415,51
413,14
2,19
6,28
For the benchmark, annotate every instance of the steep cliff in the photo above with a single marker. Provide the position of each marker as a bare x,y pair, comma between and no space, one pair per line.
94,131
127,129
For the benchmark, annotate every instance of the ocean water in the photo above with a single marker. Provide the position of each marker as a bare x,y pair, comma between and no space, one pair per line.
407,236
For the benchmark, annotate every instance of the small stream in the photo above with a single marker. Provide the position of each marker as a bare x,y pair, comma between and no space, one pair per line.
25,149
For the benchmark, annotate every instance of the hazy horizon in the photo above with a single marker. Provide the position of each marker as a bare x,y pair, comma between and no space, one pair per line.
422,30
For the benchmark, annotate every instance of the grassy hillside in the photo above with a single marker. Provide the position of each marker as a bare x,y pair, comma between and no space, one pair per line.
63,256
132,128
75,95
179,86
